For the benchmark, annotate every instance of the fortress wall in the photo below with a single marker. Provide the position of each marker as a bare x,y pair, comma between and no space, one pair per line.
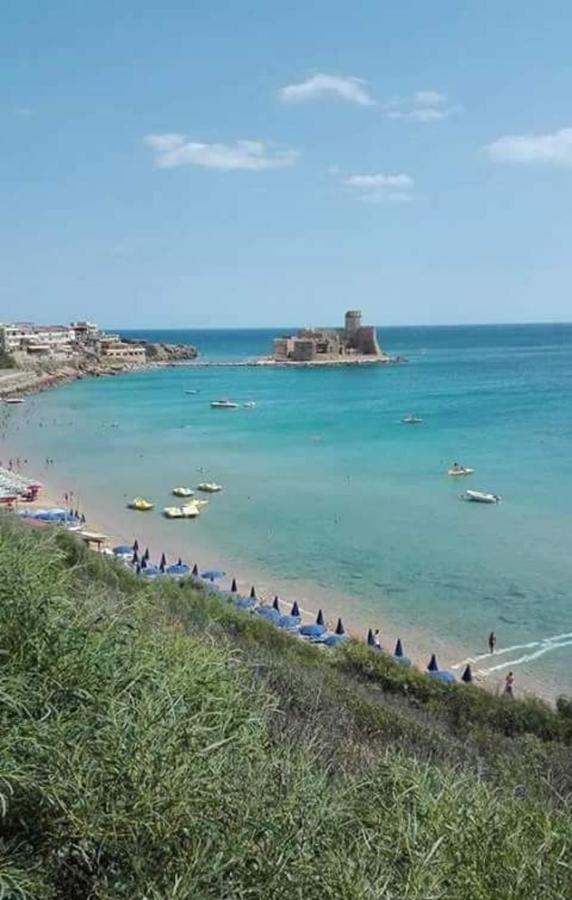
366,341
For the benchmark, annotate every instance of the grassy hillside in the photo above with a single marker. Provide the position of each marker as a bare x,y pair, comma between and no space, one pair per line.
157,743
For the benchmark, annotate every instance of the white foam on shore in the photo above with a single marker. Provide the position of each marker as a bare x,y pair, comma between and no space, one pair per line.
545,645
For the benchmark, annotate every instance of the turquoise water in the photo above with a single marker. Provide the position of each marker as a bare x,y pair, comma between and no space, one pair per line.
323,483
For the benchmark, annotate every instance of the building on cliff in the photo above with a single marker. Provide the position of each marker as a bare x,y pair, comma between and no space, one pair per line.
323,344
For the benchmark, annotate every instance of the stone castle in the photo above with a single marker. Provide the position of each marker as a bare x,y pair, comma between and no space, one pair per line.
354,341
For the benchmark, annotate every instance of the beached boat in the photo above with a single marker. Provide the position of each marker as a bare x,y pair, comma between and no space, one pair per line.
13,399
183,492
223,404
457,470
480,497
411,420
209,487
141,504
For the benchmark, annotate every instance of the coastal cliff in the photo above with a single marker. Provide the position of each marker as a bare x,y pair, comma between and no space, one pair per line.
31,376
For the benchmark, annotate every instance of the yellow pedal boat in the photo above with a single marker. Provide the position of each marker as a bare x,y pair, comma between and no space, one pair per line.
141,504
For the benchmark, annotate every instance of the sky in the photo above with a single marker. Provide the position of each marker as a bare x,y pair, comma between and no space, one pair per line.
217,164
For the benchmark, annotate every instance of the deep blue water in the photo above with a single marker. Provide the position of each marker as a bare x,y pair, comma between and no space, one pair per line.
324,483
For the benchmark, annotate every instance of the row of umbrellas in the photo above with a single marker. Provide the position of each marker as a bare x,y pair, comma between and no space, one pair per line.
315,632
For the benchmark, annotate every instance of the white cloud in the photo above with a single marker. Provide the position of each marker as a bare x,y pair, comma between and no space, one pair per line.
423,106
322,87
173,150
380,188
554,148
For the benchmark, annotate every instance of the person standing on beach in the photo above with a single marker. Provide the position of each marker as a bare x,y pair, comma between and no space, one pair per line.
376,640
509,685
492,641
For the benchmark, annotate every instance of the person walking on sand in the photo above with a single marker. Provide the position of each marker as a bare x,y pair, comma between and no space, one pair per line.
509,685
376,640
492,641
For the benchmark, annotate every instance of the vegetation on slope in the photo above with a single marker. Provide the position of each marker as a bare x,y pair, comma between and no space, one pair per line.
157,743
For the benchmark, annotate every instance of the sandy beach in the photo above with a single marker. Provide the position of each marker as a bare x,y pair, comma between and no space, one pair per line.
181,538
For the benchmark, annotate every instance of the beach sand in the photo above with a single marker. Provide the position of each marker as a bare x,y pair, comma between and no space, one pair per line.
181,538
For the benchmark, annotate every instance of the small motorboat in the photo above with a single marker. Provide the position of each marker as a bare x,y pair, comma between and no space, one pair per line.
250,404
480,497
209,487
183,492
411,420
141,504
191,392
223,404
457,470
13,399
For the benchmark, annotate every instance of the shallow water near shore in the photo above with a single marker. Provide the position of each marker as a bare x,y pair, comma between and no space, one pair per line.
324,484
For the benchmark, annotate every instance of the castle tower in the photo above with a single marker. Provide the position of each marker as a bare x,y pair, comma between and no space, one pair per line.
353,324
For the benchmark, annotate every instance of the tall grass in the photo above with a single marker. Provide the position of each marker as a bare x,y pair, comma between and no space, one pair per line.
156,743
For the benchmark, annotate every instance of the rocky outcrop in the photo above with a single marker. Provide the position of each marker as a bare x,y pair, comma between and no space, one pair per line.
157,352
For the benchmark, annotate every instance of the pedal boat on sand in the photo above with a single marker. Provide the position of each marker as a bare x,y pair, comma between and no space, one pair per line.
141,504
480,497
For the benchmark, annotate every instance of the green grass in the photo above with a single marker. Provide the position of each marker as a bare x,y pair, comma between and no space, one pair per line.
157,743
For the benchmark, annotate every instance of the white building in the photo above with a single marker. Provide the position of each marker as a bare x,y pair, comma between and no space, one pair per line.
24,337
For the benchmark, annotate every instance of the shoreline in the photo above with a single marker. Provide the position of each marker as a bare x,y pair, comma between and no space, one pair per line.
153,531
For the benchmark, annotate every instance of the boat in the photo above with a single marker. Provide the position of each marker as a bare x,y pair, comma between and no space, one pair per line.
183,492
190,511
223,404
13,399
191,392
250,404
411,420
457,470
209,487
480,497
141,504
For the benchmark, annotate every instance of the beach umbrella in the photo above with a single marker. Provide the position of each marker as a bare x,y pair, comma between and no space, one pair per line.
163,562
143,562
135,547
135,558
276,604
340,628
213,574
268,613
234,587
146,555
370,640
398,652
320,618
151,571
162,566
467,675
178,570
289,623
295,611
433,667
332,640
180,562
244,602
195,570
122,550
445,677
138,568
253,593
316,629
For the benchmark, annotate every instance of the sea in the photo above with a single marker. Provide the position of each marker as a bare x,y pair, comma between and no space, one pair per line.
325,487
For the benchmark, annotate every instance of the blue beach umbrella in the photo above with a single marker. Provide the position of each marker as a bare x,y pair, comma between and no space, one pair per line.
315,629
213,574
151,571
268,613
244,602
445,677
467,675
122,550
289,623
332,640
178,570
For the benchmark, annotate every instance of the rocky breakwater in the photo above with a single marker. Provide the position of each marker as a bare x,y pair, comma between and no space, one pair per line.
166,354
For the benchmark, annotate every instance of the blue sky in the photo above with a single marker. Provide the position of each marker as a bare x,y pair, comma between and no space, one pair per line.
204,163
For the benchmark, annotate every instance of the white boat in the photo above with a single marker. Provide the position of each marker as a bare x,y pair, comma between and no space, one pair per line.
412,420
250,404
223,404
480,497
13,399
190,511
191,392
209,487
457,470
183,492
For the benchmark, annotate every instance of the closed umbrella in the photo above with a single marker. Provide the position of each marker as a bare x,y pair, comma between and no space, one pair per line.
234,586
135,558
340,628
163,562
276,604
370,640
398,648
433,667
135,547
253,593
146,555
467,675
295,611
195,571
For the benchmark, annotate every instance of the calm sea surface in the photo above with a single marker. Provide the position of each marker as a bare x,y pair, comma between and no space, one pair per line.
322,481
